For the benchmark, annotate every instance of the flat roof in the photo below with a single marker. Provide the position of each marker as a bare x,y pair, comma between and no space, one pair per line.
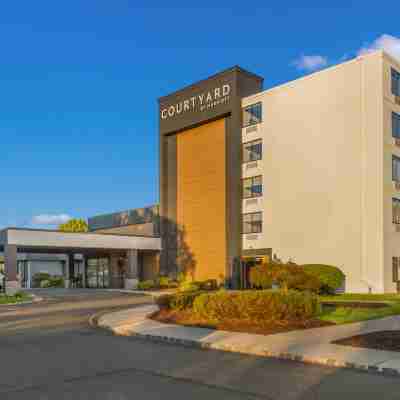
45,238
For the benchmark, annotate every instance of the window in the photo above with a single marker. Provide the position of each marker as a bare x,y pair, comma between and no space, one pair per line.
252,114
252,151
396,211
396,169
252,187
252,223
395,82
395,266
396,125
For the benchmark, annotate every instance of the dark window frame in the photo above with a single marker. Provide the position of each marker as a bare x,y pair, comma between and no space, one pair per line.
395,159
395,218
250,143
258,104
395,82
253,194
395,125
258,222
395,269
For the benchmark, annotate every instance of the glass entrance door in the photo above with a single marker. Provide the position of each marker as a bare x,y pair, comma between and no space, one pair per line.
97,273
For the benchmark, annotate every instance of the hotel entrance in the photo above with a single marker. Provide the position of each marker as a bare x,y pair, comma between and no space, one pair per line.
98,272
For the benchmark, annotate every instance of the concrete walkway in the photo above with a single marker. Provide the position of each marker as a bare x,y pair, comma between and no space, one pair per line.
312,345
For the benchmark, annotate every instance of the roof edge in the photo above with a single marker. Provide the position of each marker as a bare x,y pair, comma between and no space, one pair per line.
235,68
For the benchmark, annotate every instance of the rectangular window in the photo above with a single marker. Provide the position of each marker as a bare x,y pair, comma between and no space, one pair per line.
395,82
252,151
395,125
395,266
396,211
252,223
252,187
252,114
395,169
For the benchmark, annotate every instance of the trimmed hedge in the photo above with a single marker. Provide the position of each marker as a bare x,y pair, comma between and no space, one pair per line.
146,285
287,276
331,277
179,301
258,306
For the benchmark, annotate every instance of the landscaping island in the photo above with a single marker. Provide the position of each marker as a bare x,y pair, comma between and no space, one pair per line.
283,297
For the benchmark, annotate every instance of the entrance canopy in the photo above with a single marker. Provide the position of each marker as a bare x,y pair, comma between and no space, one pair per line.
40,238
24,240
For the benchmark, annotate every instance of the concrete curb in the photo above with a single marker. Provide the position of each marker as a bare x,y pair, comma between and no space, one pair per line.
123,330
153,294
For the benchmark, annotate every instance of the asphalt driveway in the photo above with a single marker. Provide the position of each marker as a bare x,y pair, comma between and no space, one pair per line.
49,351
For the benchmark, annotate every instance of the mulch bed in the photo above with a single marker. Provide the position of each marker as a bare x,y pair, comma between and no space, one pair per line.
268,327
384,340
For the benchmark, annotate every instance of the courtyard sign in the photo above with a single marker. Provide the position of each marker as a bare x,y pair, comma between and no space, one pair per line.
201,102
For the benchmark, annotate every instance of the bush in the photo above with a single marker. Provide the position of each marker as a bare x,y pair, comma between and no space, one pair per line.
189,287
331,277
183,301
209,284
52,282
258,306
178,301
39,277
260,277
146,285
57,282
287,276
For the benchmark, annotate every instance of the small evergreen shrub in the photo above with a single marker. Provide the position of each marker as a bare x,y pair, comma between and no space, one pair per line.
286,276
146,285
39,277
187,286
257,306
164,282
331,277
183,301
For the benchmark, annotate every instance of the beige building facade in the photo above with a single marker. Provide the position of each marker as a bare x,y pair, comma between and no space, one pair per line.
327,181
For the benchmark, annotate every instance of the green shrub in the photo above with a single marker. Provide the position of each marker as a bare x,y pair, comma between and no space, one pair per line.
57,282
259,306
209,284
45,283
331,277
146,285
260,277
39,277
178,301
164,282
187,286
287,276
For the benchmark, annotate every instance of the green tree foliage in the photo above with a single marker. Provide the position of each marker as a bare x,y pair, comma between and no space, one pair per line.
74,225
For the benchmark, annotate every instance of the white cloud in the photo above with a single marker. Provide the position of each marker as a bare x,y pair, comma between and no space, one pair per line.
388,43
50,219
310,63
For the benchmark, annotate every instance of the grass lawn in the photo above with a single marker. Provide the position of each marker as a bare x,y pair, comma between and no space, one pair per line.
343,315
18,298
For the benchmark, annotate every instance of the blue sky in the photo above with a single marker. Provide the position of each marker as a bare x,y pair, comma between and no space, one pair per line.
80,79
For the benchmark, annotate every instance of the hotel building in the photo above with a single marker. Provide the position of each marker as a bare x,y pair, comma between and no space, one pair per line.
308,171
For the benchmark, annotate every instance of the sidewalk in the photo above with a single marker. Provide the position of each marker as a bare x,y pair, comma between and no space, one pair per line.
311,345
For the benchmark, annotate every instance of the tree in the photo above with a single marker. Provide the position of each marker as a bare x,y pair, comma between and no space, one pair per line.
74,225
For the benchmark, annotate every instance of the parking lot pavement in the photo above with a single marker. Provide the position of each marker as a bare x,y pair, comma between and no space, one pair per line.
51,351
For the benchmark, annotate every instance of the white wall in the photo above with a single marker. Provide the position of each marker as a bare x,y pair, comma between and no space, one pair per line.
322,171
